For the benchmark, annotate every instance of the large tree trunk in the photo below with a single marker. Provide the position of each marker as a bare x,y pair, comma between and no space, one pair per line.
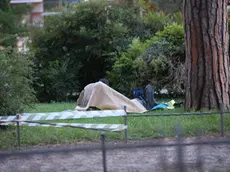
207,61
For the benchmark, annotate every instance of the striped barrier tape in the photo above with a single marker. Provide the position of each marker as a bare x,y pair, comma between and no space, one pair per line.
104,127
64,115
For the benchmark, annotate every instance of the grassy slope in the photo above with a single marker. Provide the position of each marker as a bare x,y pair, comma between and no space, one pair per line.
139,128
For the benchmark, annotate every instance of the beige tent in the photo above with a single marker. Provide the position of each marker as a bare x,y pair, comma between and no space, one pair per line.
101,96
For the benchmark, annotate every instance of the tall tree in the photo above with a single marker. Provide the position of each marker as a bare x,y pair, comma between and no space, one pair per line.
207,60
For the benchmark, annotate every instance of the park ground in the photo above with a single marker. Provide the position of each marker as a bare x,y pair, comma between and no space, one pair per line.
214,158
140,128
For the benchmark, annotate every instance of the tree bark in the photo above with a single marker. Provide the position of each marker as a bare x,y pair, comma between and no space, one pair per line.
207,60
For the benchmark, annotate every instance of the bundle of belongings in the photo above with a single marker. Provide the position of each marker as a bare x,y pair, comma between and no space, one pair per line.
148,99
102,96
99,95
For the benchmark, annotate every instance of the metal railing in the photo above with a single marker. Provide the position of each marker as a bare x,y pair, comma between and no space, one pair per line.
126,116
221,113
179,144
103,147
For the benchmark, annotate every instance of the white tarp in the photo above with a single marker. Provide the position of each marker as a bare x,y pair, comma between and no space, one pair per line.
101,96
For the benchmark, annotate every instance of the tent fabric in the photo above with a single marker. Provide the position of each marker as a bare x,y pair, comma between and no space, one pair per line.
103,97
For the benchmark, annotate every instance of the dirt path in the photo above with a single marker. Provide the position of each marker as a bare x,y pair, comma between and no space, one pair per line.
215,158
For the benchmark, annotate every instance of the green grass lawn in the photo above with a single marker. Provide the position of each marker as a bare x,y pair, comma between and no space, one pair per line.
138,127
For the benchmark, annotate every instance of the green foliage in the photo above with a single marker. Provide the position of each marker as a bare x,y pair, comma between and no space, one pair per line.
158,60
157,20
147,6
4,5
131,19
173,33
57,81
124,74
79,45
177,17
153,16
11,25
15,82
16,69
169,6
164,60
89,37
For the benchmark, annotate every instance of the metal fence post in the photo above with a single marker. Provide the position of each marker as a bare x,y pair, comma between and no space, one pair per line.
162,151
18,132
103,151
180,155
125,123
199,150
222,119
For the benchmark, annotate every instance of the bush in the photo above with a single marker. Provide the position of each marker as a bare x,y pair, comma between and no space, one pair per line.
157,20
164,60
125,73
11,25
177,17
16,69
15,82
159,61
58,79
79,45
136,25
169,6
173,33
76,48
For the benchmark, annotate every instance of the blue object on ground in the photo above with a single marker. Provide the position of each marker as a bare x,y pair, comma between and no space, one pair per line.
160,106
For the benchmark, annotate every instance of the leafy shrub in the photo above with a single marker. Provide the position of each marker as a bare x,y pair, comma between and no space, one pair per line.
158,60
164,65
89,37
165,59
157,20
169,6
59,82
15,82
173,33
177,17
11,25
84,41
16,69
135,24
125,73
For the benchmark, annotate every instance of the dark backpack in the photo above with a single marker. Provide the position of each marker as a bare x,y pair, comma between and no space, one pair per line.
137,93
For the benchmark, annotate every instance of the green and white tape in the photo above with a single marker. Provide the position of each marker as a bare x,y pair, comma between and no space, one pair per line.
64,115
105,127
31,119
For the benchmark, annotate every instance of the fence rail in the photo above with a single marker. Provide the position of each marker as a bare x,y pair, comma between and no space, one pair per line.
32,119
103,147
110,147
